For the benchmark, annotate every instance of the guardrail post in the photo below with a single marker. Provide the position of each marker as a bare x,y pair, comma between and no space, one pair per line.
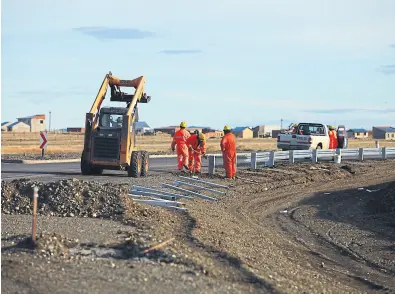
291,157
384,153
253,160
211,164
360,154
377,144
314,156
338,152
270,163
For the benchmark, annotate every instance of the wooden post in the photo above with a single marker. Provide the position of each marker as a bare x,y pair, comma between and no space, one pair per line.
384,153
34,224
377,144
271,159
211,164
314,156
253,160
360,154
291,157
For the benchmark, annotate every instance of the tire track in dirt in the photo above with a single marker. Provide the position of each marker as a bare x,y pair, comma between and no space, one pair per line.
268,205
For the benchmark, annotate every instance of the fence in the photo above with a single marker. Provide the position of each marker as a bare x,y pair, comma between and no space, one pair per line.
270,158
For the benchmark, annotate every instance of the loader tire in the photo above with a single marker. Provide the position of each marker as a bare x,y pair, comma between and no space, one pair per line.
134,169
144,163
86,167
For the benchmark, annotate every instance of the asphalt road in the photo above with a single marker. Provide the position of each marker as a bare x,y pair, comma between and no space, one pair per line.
56,171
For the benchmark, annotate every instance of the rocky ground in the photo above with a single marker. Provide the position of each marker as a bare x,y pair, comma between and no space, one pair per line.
293,229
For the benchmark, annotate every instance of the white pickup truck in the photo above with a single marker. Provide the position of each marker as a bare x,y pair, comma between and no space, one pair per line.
308,136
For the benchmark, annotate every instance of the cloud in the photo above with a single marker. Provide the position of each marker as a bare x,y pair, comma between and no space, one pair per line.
176,52
388,69
103,33
347,110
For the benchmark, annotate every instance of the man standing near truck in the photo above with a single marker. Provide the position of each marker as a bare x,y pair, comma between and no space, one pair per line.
180,139
332,138
228,148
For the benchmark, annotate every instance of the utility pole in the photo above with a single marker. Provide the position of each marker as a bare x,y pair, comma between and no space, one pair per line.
281,124
49,121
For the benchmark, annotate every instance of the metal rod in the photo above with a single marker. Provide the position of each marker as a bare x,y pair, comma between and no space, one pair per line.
143,193
157,199
157,246
188,191
34,224
162,204
198,187
139,188
205,182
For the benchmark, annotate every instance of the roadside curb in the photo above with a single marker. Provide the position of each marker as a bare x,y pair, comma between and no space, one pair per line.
40,161
31,161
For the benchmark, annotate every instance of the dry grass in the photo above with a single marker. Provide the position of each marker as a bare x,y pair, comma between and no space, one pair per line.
66,143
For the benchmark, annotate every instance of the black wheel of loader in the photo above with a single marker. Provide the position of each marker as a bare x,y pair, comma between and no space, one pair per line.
97,170
144,163
134,169
86,167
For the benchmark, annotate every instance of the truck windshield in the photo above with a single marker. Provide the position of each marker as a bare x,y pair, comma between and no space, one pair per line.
111,120
311,129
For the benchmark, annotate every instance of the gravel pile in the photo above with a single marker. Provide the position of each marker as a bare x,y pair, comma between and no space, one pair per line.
73,197
52,244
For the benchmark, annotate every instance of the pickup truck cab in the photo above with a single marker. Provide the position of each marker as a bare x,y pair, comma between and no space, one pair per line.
305,136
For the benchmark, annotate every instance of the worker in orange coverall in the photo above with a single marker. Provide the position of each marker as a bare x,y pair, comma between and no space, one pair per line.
228,148
180,139
197,147
332,138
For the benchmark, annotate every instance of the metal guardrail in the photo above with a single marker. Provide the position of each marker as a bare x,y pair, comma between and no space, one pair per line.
269,158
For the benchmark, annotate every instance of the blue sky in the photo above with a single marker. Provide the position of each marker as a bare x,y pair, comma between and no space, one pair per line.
207,62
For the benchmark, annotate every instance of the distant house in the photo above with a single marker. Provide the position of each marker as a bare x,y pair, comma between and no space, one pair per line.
172,129
18,126
384,133
75,130
214,134
357,133
4,126
243,132
142,127
263,131
36,122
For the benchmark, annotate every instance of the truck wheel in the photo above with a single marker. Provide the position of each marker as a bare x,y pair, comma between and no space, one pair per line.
144,163
86,167
134,169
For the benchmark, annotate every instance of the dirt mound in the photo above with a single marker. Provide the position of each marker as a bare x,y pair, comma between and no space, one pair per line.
384,201
71,198
53,244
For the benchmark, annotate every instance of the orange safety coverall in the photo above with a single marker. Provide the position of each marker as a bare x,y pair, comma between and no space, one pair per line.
332,139
228,148
196,149
180,139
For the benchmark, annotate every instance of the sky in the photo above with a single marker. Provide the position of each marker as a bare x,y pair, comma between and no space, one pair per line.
210,63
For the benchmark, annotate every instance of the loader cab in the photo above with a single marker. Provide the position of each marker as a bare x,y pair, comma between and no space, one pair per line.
111,117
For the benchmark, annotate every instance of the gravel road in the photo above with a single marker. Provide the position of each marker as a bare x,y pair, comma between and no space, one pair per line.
292,229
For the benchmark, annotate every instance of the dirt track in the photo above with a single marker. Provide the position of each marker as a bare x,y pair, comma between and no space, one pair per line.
282,234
